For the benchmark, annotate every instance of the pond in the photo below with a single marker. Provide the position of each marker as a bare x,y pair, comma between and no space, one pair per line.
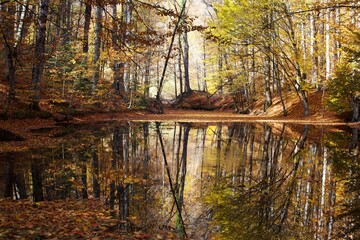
202,180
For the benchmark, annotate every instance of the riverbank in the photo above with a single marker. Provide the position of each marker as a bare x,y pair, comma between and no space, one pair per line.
38,131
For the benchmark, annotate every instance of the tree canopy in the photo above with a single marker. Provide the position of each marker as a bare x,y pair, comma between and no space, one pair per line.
119,54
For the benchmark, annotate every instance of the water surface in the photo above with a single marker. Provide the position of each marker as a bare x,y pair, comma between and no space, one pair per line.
202,180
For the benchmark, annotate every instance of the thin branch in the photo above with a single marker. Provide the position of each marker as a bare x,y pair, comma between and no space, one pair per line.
169,51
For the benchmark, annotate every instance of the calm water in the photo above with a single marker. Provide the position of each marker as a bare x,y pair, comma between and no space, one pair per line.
212,181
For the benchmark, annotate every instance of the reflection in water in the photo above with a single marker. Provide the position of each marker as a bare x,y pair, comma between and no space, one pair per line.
219,181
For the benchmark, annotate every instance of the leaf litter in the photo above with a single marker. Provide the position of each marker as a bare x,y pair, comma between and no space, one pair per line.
65,219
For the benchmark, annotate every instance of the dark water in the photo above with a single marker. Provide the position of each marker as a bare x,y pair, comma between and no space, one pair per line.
230,180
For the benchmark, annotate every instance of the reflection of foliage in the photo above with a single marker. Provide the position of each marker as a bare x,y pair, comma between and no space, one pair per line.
272,194
234,215
251,214
347,169
351,217
337,139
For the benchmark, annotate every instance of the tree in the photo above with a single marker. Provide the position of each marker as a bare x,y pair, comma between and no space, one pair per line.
284,50
87,26
186,59
161,82
344,89
8,37
97,45
14,23
39,54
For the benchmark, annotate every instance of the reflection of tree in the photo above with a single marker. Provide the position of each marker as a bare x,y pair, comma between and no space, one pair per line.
268,184
124,187
83,177
14,180
117,159
297,158
263,208
95,171
37,180
176,193
347,170
181,186
146,151
120,168
146,208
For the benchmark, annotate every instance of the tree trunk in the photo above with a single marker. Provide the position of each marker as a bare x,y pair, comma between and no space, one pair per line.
39,55
186,62
78,22
327,44
9,178
66,22
204,66
268,99
125,65
313,48
87,26
8,36
97,46
37,181
268,57
175,80
355,105
304,102
147,68
115,45
279,87
253,65
300,77
220,67
179,66
158,94
95,169
23,25
84,187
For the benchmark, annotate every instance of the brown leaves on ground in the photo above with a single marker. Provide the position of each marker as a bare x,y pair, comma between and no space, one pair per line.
63,219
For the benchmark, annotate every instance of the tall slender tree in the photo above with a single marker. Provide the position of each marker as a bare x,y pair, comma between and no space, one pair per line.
8,38
87,21
39,54
97,46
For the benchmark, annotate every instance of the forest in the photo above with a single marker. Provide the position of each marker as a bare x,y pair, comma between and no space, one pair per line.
191,119
78,57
